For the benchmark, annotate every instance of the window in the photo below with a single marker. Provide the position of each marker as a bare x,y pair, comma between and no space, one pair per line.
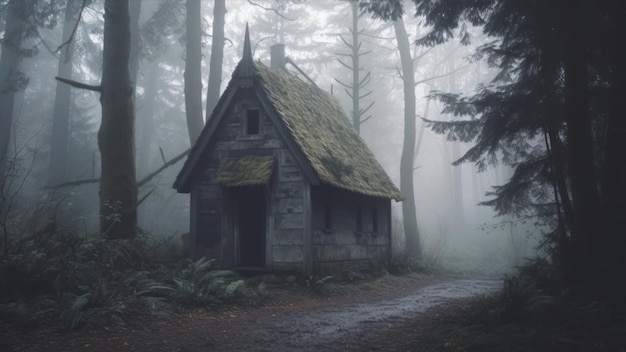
359,220
374,220
328,221
253,123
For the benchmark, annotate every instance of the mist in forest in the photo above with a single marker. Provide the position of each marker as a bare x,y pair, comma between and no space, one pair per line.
457,232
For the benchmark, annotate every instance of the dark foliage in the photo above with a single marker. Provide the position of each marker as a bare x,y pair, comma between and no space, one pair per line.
57,277
552,113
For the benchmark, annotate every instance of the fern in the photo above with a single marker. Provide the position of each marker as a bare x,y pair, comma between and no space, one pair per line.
233,287
316,284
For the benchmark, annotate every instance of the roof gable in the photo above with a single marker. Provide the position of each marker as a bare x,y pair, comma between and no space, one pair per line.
313,125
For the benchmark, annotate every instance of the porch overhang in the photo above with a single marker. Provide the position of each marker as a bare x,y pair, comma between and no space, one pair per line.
245,171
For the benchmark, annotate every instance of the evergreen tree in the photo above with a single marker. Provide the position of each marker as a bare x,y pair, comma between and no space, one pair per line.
551,113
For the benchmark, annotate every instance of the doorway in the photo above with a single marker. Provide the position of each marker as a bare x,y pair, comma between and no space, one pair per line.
251,211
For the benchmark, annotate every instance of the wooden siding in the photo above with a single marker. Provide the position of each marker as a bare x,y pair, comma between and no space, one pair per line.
296,237
342,248
286,218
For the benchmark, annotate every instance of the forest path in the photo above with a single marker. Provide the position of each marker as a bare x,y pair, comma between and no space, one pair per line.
292,319
319,329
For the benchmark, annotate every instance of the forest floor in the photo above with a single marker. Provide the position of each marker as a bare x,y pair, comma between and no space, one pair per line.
390,313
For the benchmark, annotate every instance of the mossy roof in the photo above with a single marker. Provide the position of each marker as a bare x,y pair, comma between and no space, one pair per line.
245,171
315,122
321,129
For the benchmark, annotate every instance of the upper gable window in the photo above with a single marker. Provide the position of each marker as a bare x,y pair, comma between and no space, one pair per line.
253,122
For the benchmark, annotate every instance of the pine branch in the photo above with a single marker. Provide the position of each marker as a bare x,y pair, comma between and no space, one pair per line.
363,111
345,65
363,82
345,42
440,76
343,84
366,94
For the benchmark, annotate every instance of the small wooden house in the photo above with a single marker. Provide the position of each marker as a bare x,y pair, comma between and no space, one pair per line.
279,180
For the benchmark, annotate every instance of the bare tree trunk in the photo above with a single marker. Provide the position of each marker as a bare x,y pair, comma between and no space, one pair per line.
118,184
193,70
61,117
217,57
354,89
9,62
411,232
458,224
135,49
356,66
147,115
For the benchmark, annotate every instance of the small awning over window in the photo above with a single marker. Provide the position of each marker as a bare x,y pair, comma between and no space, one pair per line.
245,171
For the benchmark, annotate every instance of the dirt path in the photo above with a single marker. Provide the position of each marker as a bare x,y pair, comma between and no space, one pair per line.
292,321
319,329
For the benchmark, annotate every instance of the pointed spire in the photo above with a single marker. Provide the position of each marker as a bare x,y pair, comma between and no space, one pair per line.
245,68
247,51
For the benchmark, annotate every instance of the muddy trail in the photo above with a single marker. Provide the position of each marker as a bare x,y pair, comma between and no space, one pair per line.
293,319
321,329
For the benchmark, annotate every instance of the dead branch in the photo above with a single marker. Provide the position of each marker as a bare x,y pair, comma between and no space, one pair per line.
79,85
271,9
69,40
163,167
139,184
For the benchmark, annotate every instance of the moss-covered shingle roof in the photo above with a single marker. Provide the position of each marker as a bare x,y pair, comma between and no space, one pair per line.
311,120
321,129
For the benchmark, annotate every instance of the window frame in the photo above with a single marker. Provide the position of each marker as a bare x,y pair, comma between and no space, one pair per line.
246,122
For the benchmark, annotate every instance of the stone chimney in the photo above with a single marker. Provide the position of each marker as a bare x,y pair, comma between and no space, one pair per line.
277,53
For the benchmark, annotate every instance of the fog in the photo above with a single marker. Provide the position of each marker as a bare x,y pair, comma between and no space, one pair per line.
457,232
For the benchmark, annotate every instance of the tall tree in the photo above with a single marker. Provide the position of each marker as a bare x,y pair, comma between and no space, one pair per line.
10,74
135,42
217,56
193,70
61,114
409,211
353,89
118,184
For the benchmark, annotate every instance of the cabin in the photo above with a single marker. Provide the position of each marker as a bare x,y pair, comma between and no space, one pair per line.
280,181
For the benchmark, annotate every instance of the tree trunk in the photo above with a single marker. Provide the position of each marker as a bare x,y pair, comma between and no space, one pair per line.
59,138
9,63
118,184
411,232
147,115
580,144
217,57
458,223
615,171
193,70
356,66
135,49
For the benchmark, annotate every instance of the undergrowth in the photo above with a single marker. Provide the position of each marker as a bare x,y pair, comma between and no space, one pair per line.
58,277
537,310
